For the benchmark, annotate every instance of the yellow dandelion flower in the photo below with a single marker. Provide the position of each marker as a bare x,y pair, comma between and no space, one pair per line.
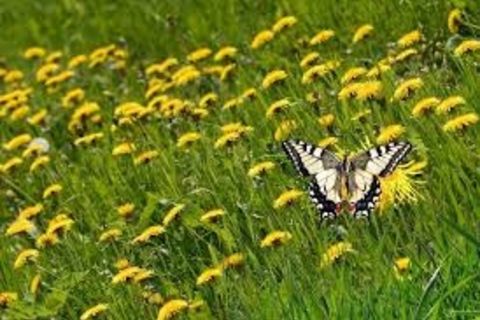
212,216
231,103
390,133
126,210
199,54
46,71
85,110
227,139
262,38
406,88
249,93
425,105
51,190
60,223
46,239
76,61
261,168
20,113
199,113
353,74
321,37
39,162
409,39
208,100
449,104
161,68
454,20
467,46
273,77
284,129
226,71
362,32
31,211
13,76
7,297
284,23
24,256
287,198
328,142
17,142
34,53
187,139
173,213
233,260
309,59
110,235
377,70
35,148
399,187
38,117
123,148
94,311
172,308
319,71
326,120
145,157
405,54
275,238
232,127
148,233
225,53
401,266
460,122
335,252
59,78
143,274
35,284
54,57
276,107
122,264
88,139
126,274
73,97
209,275
11,164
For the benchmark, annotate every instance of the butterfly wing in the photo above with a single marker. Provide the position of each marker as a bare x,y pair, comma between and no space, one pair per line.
322,166
382,160
363,181
308,159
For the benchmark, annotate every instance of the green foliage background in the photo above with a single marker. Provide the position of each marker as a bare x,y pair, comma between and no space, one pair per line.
439,233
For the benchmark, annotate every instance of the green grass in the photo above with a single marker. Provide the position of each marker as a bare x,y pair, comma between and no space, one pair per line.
439,233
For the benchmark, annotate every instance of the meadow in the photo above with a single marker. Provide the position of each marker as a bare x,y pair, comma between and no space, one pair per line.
142,174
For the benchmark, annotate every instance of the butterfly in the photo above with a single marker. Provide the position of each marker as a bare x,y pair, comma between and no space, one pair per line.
352,180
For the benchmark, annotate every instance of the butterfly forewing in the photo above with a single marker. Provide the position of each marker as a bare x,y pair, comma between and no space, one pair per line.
308,159
382,160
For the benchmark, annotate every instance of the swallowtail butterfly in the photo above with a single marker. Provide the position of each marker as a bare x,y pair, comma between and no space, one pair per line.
354,180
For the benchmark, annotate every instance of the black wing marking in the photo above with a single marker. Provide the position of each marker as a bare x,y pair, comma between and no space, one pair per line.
382,160
308,159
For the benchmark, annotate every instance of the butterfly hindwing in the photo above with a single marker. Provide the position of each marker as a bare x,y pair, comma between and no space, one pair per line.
366,193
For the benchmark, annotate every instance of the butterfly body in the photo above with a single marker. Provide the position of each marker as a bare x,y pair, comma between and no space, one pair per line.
352,181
